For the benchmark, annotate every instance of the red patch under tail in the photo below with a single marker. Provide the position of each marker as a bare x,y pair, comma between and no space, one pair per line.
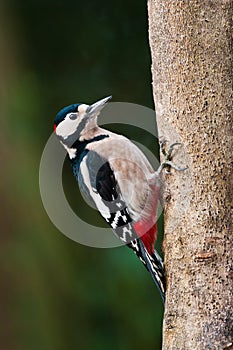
147,228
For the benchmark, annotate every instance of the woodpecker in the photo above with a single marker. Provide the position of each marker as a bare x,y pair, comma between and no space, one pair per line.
117,177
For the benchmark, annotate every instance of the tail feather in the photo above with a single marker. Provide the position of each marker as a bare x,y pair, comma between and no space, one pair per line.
153,264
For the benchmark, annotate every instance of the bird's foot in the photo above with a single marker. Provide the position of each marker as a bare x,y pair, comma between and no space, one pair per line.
167,164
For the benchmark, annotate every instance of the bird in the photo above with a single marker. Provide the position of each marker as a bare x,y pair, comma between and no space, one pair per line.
119,180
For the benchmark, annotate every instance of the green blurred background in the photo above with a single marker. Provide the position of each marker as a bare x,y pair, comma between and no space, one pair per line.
55,293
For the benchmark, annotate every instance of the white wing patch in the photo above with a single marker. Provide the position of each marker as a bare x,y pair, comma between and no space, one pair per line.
114,224
127,231
103,209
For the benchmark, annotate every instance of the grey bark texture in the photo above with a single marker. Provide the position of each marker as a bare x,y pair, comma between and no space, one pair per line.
191,48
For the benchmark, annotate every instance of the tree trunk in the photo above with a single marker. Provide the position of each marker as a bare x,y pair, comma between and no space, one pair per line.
192,83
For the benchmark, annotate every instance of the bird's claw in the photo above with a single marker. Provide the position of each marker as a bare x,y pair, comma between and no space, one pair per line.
167,163
168,153
171,147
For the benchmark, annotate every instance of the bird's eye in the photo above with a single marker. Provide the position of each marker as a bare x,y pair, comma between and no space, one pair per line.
73,116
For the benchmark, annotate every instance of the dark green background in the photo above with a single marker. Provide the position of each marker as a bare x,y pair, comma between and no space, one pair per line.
55,293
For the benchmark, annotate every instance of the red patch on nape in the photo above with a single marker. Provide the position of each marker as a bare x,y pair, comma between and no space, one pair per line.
54,127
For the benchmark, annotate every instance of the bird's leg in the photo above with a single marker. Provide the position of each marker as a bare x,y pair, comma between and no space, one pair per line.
167,163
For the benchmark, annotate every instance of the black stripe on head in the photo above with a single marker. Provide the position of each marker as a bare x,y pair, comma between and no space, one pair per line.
64,111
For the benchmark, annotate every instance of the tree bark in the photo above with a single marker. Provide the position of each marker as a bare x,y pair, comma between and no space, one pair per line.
191,51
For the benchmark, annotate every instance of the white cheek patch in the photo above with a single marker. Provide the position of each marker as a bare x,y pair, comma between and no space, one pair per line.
67,127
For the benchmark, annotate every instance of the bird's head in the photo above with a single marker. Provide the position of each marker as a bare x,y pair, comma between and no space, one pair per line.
75,121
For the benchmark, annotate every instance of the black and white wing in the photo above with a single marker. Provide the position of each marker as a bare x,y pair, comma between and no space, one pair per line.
102,188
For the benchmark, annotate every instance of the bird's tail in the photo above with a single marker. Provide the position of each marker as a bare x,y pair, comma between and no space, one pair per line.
157,272
153,264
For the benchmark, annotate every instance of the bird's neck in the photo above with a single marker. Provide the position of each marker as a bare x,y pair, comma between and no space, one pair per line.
87,135
80,151
92,131
78,147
